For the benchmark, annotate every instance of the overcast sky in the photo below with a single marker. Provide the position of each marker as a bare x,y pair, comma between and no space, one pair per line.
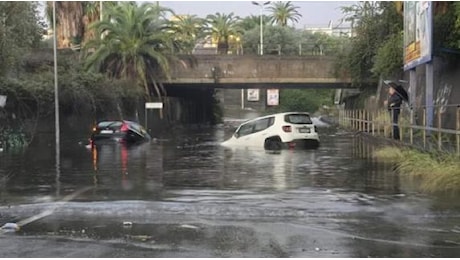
313,12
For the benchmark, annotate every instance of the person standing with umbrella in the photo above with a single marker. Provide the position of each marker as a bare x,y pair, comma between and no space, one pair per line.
397,94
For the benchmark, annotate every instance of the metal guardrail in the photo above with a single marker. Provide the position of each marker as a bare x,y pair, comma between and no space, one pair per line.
378,123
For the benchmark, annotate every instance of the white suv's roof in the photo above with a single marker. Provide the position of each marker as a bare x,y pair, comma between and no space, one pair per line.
276,115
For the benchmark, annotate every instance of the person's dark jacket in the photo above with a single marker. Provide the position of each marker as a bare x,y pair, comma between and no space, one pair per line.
394,102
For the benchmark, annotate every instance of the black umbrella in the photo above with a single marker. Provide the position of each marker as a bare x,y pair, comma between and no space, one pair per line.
399,90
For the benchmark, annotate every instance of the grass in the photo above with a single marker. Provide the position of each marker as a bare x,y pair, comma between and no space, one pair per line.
437,173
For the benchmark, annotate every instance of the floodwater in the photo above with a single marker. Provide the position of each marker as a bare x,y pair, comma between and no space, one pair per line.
183,195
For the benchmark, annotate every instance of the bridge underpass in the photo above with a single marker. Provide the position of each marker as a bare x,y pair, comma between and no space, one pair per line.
231,75
242,72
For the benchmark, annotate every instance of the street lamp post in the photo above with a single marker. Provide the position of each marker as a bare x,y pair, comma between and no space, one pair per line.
100,10
262,5
56,104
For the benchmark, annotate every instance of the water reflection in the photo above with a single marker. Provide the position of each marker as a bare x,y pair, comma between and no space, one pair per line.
124,170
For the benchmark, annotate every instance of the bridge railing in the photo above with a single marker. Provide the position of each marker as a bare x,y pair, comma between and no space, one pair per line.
298,49
442,135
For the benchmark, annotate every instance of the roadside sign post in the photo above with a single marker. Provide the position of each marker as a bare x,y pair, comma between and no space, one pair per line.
151,105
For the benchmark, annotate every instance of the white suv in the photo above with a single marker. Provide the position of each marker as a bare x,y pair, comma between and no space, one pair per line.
277,131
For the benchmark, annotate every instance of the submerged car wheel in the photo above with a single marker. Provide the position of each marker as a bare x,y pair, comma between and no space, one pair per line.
273,143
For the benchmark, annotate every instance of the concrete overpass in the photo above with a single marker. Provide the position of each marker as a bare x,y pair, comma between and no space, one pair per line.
249,71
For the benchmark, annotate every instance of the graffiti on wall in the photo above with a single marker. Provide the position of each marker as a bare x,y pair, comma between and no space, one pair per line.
442,97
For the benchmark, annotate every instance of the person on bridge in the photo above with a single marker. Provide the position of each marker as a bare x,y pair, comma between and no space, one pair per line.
396,96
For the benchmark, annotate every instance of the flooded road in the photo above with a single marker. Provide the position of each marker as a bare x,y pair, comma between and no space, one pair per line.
186,196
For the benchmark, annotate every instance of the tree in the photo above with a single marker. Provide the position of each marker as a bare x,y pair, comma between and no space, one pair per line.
220,27
69,21
73,19
92,13
136,45
20,30
283,12
389,57
250,22
186,29
375,23
309,100
282,40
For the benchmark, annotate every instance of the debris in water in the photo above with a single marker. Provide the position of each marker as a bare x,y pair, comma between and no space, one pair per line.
127,224
189,226
10,227
142,238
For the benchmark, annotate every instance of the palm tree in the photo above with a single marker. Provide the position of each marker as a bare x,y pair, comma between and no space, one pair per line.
283,12
92,13
186,29
221,27
135,46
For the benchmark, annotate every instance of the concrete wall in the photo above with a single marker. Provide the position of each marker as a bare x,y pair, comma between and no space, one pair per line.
256,69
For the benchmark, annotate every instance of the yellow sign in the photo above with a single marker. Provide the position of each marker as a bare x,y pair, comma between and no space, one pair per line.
417,33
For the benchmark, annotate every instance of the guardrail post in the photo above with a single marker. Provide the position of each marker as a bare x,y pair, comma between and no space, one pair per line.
458,130
352,119
401,126
345,119
411,134
348,120
373,123
358,122
424,128
355,119
384,126
439,129
368,120
364,121
340,117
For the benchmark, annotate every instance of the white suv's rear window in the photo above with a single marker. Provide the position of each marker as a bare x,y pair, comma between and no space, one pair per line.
298,119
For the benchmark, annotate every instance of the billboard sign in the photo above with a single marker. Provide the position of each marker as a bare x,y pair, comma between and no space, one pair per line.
418,27
273,97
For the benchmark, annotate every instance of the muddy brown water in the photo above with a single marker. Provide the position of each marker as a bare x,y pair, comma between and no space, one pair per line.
183,195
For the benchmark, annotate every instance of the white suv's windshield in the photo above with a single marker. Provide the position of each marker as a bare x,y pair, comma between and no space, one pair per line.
297,119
